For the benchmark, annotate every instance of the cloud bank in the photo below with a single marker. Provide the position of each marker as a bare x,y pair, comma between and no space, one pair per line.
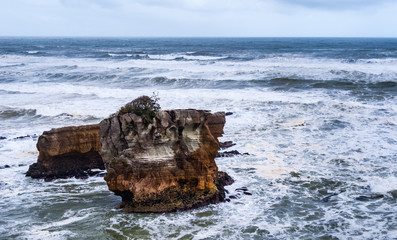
336,4
179,18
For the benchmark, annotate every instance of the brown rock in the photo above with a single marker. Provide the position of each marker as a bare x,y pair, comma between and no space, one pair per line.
66,152
230,153
215,123
227,144
165,163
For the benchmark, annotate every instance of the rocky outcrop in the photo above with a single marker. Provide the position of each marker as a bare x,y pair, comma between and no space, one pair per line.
157,161
215,123
162,161
66,152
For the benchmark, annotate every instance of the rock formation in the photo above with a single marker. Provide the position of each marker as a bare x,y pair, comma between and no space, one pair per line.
163,160
66,152
157,161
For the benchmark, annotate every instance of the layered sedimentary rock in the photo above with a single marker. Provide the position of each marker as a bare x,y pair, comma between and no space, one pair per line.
164,162
67,151
215,123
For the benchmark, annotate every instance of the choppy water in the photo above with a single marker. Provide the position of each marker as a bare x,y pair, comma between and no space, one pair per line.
318,116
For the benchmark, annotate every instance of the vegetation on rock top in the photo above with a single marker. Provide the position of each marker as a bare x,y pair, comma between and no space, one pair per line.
144,106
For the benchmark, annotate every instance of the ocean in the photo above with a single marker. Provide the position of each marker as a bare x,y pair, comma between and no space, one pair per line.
318,117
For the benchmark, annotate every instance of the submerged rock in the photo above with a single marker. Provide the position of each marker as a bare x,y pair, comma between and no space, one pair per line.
66,152
242,189
227,144
161,161
34,136
327,198
370,197
230,153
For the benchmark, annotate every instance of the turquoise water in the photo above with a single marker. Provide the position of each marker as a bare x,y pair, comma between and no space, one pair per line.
317,115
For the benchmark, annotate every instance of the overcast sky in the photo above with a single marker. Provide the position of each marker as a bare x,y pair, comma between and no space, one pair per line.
199,18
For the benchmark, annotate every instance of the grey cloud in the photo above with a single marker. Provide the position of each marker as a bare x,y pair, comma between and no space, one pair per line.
335,4
110,4
178,4
214,5
99,3
211,5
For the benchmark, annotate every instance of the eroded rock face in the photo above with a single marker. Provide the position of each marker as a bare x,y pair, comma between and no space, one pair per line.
66,152
165,164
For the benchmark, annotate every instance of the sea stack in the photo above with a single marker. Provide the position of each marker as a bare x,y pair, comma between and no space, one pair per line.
162,160
67,152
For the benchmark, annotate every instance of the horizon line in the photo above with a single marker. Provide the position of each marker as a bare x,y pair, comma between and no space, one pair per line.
98,36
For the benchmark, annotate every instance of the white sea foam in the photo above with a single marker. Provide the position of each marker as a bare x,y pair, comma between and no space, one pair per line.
47,230
184,56
287,66
382,184
304,145
108,99
58,235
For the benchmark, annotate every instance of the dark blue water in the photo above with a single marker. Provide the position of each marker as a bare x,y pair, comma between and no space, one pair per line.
303,63
339,48
317,115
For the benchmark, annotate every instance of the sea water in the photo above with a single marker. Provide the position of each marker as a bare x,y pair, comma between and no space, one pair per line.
318,117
